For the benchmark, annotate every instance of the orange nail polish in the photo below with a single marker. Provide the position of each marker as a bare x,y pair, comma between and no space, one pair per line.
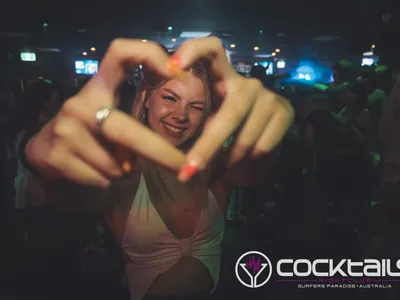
176,59
190,170
126,166
174,64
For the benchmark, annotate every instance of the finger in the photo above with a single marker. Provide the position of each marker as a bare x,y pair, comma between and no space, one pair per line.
273,133
123,52
231,114
86,147
127,132
252,130
77,170
211,49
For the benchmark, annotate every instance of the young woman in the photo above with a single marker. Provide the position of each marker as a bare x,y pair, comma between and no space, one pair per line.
168,212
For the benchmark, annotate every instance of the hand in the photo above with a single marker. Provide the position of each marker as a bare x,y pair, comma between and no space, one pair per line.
263,116
71,145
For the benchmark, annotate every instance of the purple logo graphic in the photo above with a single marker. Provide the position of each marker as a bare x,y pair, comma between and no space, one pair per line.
253,269
253,263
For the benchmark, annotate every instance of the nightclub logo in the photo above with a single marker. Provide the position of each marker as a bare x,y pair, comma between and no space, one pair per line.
253,269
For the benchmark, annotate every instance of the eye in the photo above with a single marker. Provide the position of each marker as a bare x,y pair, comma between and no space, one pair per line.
197,108
169,98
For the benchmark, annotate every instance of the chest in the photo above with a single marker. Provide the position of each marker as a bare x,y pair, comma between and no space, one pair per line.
138,215
178,212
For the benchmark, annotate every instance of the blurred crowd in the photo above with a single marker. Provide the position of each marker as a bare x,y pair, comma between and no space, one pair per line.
327,175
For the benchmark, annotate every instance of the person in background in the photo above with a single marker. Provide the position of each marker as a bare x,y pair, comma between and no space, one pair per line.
368,119
340,152
390,172
38,104
259,72
343,71
7,149
339,90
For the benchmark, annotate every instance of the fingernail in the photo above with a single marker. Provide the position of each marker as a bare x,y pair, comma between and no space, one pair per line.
126,167
188,171
174,64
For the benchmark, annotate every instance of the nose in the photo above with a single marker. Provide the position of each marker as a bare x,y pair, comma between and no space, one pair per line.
180,114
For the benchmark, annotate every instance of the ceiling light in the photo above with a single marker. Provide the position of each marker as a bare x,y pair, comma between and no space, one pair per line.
174,40
28,56
256,48
281,64
233,45
194,34
144,41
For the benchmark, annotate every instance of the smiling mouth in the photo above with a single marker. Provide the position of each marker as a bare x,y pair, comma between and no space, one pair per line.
173,128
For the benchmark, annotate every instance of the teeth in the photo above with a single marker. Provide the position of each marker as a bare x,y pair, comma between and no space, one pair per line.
174,129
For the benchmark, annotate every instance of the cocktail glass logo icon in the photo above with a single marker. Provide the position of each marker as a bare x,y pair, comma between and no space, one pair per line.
253,269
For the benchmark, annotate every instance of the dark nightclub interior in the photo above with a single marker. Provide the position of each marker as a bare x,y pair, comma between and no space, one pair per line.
313,87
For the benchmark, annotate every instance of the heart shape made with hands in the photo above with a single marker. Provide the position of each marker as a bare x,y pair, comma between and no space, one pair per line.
262,116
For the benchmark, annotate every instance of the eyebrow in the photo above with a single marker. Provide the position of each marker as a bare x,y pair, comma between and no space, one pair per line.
172,92
177,96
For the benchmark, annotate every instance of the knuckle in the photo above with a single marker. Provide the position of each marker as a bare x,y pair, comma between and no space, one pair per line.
55,157
290,113
153,46
64,128
286,111
217,42
70,107
243,146
187,46
115,46
153,49
289,108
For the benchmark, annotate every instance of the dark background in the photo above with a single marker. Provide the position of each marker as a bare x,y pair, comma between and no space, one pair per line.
351,26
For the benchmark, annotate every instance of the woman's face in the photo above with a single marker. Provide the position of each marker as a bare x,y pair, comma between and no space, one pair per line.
175,110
